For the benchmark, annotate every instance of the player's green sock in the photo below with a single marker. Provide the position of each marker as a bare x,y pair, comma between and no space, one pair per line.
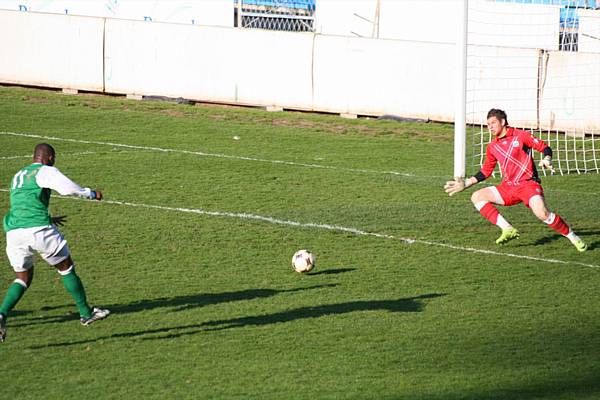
74,286
13,295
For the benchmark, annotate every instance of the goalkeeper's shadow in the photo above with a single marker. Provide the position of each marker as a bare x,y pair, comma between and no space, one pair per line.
582,233
547,239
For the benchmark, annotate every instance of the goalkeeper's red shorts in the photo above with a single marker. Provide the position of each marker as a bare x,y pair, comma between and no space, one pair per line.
522,192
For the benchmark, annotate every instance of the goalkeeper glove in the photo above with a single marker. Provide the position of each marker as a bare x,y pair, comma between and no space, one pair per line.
455,186
546,163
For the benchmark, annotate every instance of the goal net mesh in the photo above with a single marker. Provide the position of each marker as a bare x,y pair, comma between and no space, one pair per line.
538,60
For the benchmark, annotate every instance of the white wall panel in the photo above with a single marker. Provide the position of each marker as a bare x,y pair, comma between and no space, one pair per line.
571,94
589,31
369,76
203,12
521,25
50,50
209,63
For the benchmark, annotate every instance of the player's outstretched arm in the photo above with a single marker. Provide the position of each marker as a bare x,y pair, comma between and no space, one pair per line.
458,185
546,163
52,178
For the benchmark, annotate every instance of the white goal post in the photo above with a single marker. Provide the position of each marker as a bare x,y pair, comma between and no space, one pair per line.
539,60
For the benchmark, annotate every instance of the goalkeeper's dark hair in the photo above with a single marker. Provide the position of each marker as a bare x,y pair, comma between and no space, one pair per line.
499,114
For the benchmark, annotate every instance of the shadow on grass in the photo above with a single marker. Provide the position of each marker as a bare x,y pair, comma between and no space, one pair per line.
585,385
332,271
554,237
548,239
177,303
183,303
410,304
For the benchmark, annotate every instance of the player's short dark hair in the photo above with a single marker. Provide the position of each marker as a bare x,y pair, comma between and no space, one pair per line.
43,149
499,114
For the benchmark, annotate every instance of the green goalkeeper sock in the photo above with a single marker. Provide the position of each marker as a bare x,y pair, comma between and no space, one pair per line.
74,286
13,295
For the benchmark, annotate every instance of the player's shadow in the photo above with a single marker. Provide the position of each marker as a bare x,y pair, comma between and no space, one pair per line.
547,239
334,271
182,303
176,303
410,304
583,233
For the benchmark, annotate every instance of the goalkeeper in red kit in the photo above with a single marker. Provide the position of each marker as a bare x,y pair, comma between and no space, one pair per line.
512,149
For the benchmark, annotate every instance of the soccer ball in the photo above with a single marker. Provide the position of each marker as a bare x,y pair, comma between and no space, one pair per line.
303,261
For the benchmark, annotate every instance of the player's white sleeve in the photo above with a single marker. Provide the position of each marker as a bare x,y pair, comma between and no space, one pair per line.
52,178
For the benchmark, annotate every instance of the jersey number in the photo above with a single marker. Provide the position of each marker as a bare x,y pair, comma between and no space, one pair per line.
18,179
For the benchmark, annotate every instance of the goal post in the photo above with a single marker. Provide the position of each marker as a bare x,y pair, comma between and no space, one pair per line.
460,127
539,60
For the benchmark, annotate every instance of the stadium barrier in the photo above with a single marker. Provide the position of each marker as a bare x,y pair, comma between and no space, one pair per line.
51,50
304,71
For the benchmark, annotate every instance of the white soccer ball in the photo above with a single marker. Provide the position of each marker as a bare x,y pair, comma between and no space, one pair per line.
303,261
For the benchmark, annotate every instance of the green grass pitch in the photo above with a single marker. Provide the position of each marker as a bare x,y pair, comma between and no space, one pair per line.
205,205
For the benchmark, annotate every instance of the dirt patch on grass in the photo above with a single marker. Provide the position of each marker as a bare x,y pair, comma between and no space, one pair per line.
36,100
173,113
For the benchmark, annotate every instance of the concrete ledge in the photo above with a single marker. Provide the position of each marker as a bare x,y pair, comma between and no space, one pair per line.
348,115
273,108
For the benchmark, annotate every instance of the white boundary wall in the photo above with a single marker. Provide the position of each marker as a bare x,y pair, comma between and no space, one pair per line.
589,31
209,63
528,25
194,12
50,50
374,77
571,92
291,70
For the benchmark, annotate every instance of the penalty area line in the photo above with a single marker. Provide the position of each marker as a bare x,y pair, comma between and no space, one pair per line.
336,228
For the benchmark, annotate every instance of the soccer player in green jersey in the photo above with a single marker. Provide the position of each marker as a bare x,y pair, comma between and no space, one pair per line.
30,228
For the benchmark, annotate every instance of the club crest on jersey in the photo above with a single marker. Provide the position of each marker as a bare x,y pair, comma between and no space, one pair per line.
515,143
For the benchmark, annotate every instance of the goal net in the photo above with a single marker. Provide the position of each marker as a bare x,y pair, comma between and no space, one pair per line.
539,60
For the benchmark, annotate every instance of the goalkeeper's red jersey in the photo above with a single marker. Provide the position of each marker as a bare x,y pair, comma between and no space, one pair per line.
513,153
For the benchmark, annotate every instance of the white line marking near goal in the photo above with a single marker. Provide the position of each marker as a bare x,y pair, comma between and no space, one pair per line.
336,228
61,154
204,154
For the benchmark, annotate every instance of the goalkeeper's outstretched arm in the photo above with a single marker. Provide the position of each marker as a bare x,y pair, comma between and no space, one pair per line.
546,162
460,184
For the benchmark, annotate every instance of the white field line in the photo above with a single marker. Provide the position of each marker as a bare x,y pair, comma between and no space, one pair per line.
61,155
204,154
218,155
339,228
336,228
